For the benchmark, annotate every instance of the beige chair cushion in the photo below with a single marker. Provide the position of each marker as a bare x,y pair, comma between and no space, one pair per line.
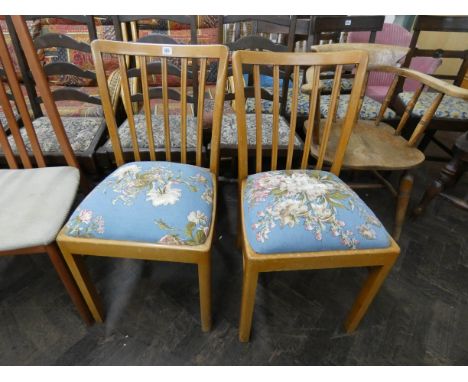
34,204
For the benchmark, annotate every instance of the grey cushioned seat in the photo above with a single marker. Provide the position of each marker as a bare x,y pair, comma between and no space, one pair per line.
34,204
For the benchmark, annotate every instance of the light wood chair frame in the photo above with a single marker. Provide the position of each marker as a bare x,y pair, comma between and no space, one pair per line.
380,260
200,254
25,161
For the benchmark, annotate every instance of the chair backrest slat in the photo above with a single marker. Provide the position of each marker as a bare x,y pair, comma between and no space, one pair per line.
293,123
258,117
183,110
387,100
6,148
330,117
357,59
313,123
128,106
165,128
425,119
201,106
147,107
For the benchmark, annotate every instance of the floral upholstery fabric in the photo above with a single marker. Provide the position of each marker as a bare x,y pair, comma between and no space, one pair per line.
150,202
346,84
158,132
80,131
369,110
229,135
450,107
307,211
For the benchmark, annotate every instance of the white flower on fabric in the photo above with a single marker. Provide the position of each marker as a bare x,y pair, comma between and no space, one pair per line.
289,211
197,217
207,196
126,171
100,224
85,216
163,196
367,232
170,240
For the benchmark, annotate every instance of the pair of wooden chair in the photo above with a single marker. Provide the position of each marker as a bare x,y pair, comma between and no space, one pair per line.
166,211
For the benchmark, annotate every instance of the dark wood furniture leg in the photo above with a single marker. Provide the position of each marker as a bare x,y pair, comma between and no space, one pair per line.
448,176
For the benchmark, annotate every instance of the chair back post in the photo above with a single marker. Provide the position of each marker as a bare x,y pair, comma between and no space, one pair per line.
142,52
43,86
358,59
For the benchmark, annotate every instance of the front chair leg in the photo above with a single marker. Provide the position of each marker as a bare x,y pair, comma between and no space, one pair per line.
368,291
67,280
81,276
249,287
403,198
204,282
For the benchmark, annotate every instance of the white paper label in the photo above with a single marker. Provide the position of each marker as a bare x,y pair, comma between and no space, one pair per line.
167,51
347,22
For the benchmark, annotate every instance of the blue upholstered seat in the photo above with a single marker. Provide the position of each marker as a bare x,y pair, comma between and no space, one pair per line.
307,211
151,202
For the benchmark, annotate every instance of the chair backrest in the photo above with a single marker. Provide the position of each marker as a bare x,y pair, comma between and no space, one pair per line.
143,53
60,69
324,27
137,24
256,40
394,34
317,62
39,76
440,24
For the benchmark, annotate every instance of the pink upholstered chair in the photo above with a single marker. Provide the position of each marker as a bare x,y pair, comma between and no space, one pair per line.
393,34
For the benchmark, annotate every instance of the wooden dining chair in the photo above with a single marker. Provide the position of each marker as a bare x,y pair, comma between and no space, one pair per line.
379,147
299,218
34,199
71,78
153,210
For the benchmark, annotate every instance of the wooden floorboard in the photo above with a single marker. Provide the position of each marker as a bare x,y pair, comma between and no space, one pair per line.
152,312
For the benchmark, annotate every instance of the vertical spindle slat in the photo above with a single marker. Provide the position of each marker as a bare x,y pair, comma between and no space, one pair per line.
20,102
293,121
201,106
126,100
167,128
258,118
275,127
409,108
147,106
14,129
330,117
183,108
387,100
425,119
311,122
6,148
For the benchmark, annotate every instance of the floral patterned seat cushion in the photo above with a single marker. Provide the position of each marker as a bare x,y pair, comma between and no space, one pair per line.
307,211
346,84
150,202
267,106
369,110
450,107
80,131
229,135
157,122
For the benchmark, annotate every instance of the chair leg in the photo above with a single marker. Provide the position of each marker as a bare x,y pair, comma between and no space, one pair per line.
404,194
81,276
249,287
447,178
204,282
369,290
59,264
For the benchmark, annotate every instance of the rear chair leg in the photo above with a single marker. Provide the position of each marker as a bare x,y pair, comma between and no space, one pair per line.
70,285
404,194
81,276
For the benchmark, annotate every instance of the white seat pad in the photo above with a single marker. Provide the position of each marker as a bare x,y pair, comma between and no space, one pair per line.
34,204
